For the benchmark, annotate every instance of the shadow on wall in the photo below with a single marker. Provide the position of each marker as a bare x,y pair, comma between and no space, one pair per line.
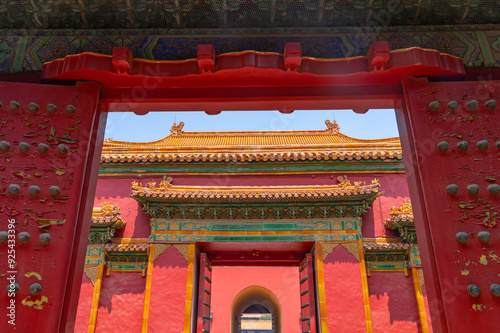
123,286
392,295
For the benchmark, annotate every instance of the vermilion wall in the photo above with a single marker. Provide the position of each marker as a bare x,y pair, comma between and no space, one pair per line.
84,305
344,293
393,303
394,191
168,293
121,303
117,191
228,282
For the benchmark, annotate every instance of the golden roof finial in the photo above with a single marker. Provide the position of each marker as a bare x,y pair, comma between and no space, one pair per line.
332,128
177,129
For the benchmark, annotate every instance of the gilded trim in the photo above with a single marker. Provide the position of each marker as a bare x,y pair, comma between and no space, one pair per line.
420,299
319,256
91,273
95,298
147,292
159,249
190,286
353,249
421,276
183,250
326,249
364,282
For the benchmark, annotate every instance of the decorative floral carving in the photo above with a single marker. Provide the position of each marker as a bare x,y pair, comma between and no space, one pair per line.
327,248
246,213
262,212
278,212
352,248
183,249
199,213
91,273
159,249
421,276
231,213
215,213
292,212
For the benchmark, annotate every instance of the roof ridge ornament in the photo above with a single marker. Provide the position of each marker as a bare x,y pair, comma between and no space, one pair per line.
404,209
332,128
177,129
402,220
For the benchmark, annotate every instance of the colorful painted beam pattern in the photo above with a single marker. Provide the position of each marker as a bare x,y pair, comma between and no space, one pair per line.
478,46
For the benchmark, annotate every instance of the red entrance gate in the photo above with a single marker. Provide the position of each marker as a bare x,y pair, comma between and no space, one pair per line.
453,133
49,157
454,184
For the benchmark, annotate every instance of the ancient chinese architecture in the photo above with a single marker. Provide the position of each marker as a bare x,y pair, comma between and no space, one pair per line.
223,221
65,64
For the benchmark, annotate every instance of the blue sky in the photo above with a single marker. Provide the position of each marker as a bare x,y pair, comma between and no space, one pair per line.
126,126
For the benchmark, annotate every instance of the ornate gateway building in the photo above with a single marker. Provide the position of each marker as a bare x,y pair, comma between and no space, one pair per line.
217,229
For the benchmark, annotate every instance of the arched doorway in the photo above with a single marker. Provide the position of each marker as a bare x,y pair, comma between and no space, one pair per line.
255,299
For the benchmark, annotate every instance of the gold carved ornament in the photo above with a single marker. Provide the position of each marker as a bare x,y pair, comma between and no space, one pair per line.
91,273
352,248
159,249
327,248
183,250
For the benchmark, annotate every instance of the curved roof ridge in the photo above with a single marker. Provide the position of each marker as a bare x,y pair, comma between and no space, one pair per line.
247,138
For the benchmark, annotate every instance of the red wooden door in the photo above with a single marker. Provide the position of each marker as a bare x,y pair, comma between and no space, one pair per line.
48,136
204,295
307,299
452,155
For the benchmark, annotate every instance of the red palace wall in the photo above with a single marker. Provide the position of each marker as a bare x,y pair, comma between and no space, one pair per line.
121,303
344,293
392,302
168,292
84,305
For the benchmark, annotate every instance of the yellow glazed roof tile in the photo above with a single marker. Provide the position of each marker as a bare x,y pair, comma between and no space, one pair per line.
251,146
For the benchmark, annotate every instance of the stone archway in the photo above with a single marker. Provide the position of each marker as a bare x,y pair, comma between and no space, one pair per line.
251,296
